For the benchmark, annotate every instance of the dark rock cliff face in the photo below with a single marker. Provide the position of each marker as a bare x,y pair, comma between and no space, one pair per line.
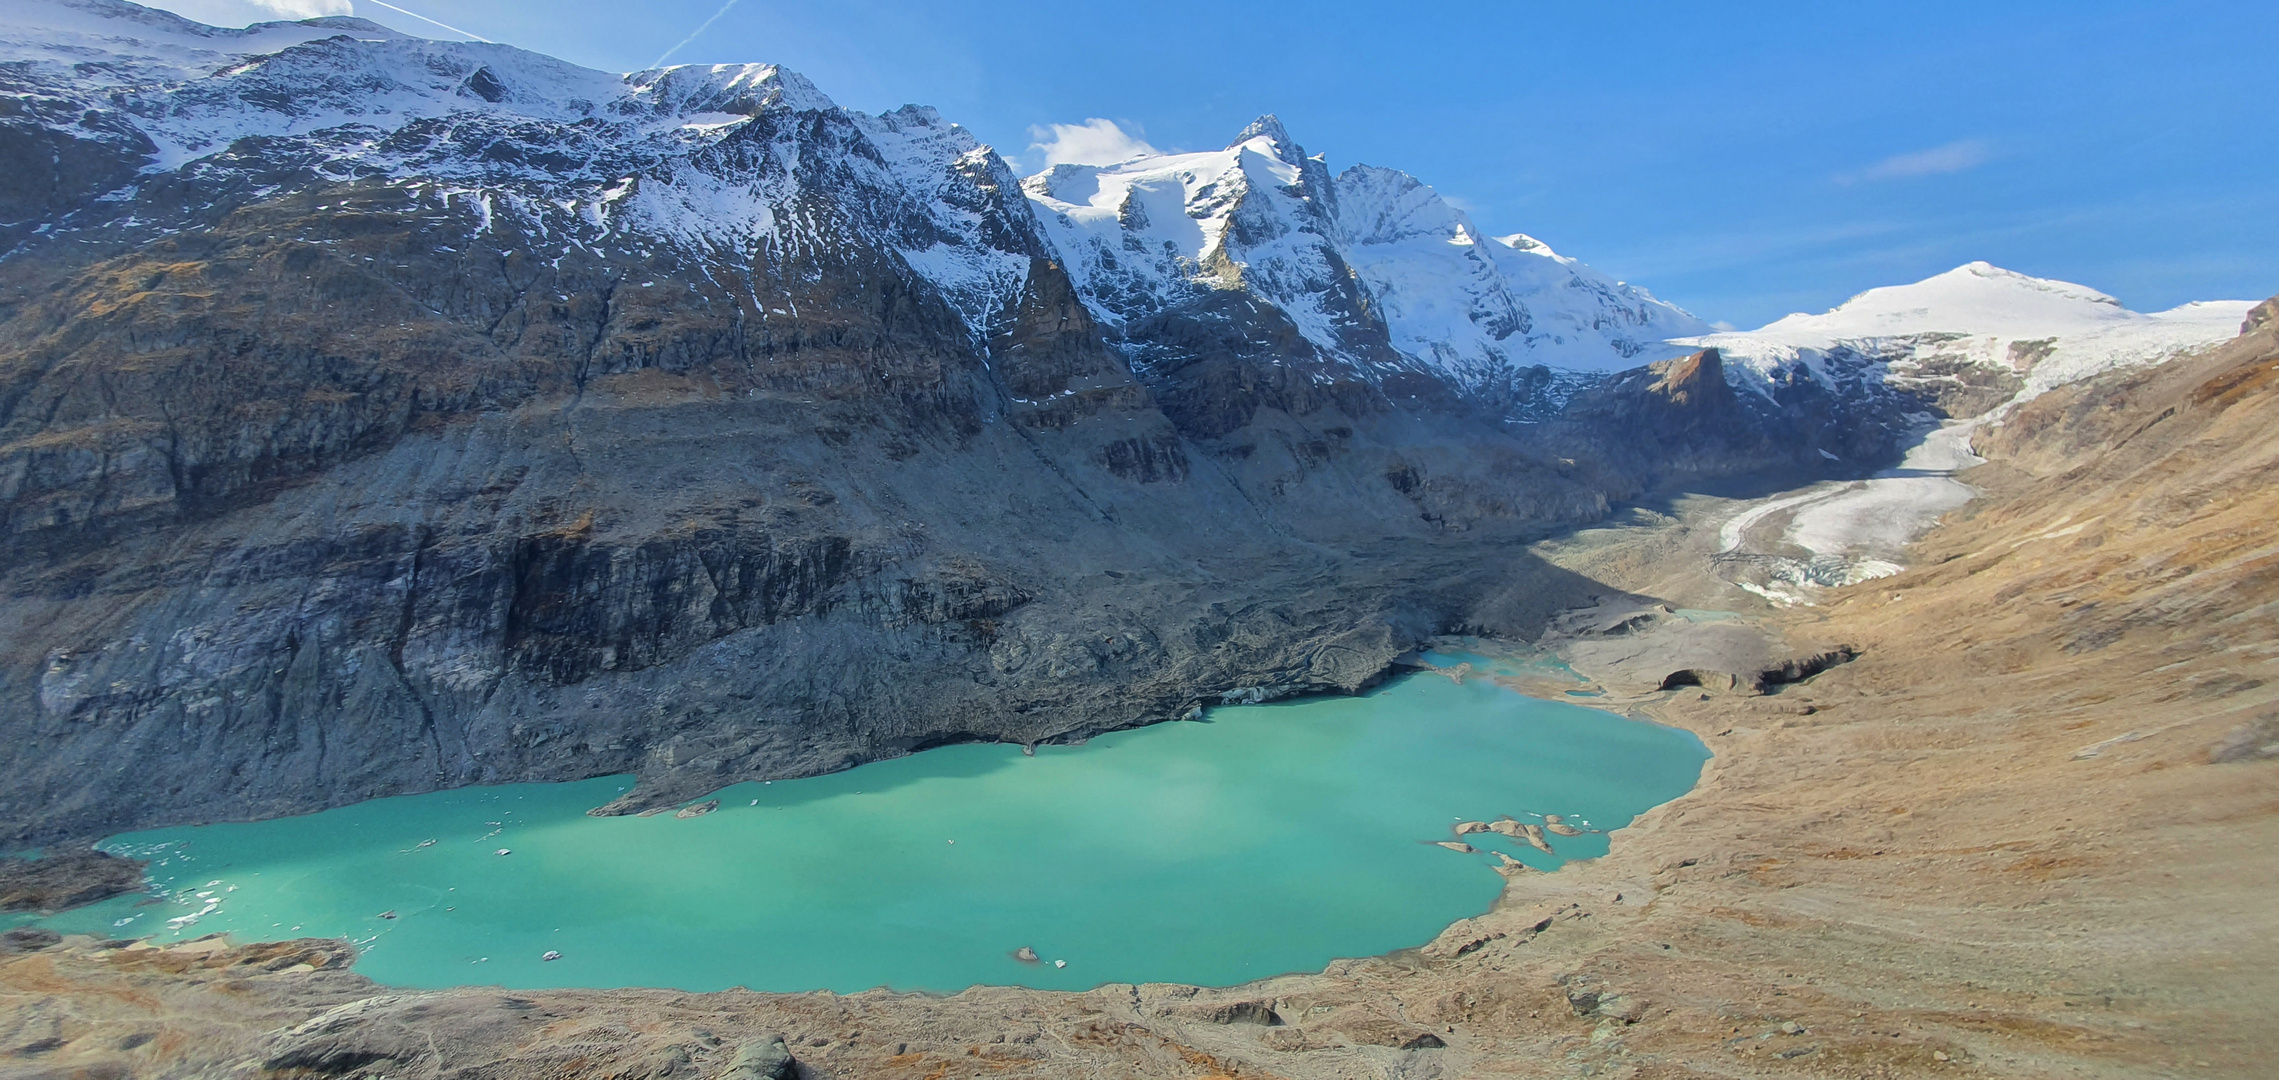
322,481
1677,415
1682,421
305,508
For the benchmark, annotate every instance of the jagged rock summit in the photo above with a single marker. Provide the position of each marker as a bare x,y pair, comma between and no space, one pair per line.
1370,265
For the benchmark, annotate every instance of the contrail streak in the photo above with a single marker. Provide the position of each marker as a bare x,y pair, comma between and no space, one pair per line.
693,35
445,25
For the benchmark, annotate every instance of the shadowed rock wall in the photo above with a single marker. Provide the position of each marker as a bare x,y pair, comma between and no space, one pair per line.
324,501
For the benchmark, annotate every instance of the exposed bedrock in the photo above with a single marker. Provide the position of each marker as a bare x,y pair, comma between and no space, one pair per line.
295,523
1681,422
318,484
66,879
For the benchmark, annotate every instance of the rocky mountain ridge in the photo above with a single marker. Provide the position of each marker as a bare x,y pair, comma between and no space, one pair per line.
1369,270
689,157
701,431
380,414
1370,265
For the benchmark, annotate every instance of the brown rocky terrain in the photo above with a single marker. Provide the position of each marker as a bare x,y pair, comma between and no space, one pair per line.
2029,831
404,453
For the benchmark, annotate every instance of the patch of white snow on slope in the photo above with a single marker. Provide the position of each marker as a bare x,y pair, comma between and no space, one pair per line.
2145,340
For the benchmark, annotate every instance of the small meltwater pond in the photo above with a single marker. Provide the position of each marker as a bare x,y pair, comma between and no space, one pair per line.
1265,839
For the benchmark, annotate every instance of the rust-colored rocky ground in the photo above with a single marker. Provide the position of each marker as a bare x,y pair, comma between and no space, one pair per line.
1998,843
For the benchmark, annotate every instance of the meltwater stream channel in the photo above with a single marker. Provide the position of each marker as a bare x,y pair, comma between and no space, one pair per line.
1265,839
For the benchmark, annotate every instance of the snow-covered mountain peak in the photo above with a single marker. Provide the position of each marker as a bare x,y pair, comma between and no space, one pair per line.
38,23
1267,136
1159,216
1268,126
919,142
1976,298
1337,254
724,160
192,90
1481,311
740,89
1386,205
111,43
2045,332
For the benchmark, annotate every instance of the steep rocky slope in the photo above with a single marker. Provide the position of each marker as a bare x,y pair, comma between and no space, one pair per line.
2018,836
284,559
380,414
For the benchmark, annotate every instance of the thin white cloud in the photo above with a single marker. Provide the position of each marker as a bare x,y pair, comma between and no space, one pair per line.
305,9
425,19
694,34
1093,142
247,12
1954,157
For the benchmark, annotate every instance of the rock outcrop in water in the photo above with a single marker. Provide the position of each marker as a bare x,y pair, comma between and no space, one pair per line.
66,879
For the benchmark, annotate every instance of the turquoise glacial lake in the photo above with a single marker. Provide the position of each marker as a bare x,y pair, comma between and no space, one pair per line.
1264,839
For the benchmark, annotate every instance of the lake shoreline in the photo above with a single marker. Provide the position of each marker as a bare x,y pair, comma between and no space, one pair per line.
1261,806
1981,847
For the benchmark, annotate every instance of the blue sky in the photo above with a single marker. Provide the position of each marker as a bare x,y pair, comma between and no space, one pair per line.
1742,161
